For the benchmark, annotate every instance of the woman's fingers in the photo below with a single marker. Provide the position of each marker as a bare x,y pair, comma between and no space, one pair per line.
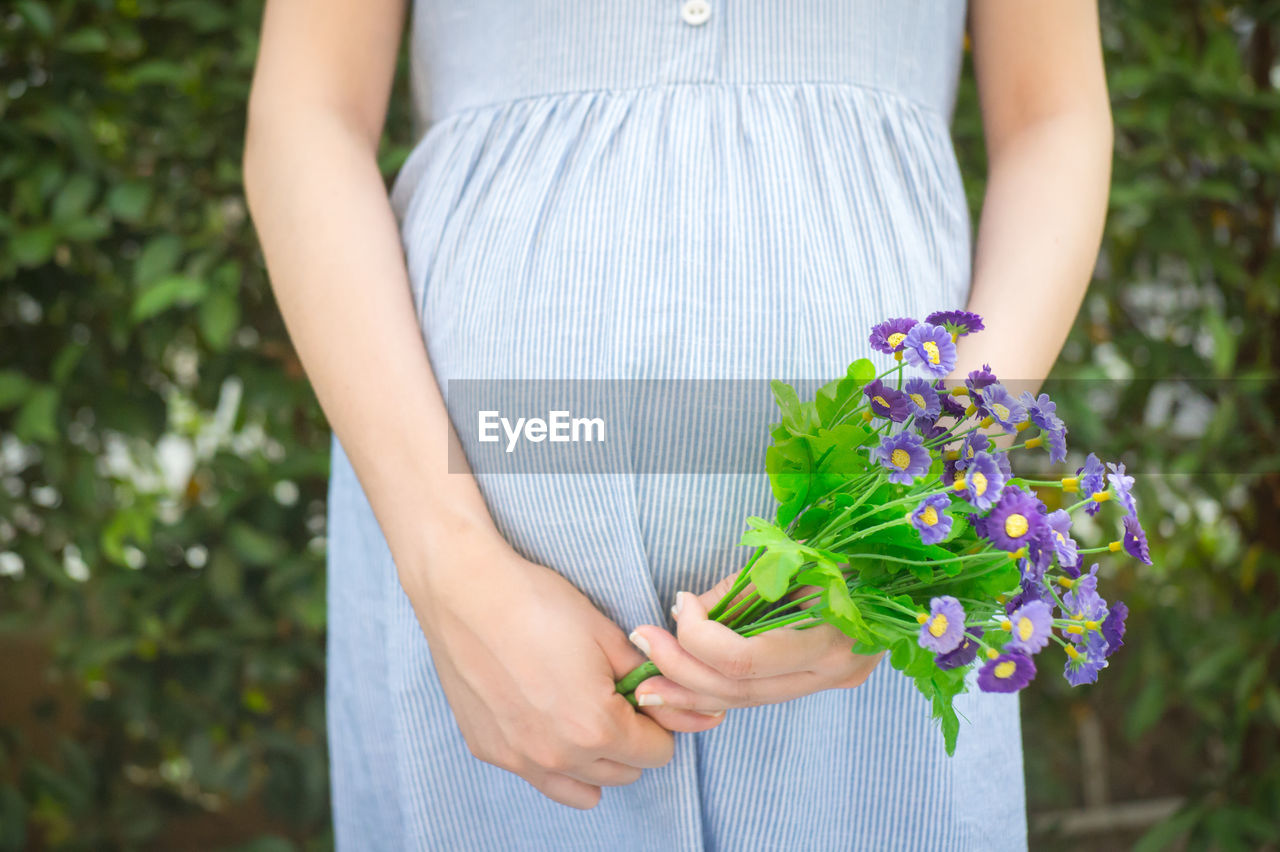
679,665
665,693
605,773
681,717
776,652
565,790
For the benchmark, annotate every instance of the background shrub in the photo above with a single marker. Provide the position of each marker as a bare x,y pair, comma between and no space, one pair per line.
163,461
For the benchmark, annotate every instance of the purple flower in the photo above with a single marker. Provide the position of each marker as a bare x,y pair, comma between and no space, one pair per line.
1082,602
930,348
887,402
923,398
1032,589
1092,480
979,379
1017,520
1083,667
1060,535
1123,486
1037,561
1002,462
903,454
1113,627
931,520
997,403
1072,570
973,443
964,653
943,628
958,323
1032,625
928,428
1041,411
890,336
983,481
1008,672
1135,540
950,405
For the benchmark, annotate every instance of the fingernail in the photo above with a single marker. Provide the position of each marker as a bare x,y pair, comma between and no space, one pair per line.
675,608
640,642
649,699
711,712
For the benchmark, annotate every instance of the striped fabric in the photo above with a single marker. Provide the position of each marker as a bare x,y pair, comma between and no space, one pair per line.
606,191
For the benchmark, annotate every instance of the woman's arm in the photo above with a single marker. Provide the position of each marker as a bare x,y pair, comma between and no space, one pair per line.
1047,123
527,663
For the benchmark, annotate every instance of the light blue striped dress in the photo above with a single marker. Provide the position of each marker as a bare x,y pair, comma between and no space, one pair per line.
657,189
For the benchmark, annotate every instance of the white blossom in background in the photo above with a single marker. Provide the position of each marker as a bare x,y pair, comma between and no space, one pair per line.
193,436
73,563
197,556
45,495
15,456
285,492
11,565
133,557
176,457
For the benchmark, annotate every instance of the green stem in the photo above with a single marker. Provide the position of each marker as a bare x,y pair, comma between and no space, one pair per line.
636,676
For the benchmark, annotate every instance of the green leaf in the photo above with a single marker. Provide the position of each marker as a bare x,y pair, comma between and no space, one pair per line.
219,318
772,572
174,291
87,40
38,16
33,246
255,546
129,201
73,200
159,258
13,388
37,419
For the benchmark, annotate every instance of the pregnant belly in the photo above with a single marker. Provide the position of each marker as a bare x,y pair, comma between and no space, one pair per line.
687,232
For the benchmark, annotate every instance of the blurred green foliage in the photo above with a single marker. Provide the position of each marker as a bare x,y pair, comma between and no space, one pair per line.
162,459
163,462
1172,368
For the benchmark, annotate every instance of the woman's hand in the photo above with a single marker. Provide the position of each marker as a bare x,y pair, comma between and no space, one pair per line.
528,666
706,666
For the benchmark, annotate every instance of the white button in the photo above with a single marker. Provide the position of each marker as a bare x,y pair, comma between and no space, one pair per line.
695,12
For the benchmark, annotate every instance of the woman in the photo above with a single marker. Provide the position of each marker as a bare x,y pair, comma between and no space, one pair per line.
732,189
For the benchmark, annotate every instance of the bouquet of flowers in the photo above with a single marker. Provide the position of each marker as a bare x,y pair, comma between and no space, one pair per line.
902,523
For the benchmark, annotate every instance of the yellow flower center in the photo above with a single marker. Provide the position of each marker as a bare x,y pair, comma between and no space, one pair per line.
929,516
900,459
1025,628
979,483
895,339
1015,525
938,625
881,400
1060,536
1001,411
931,349
1005,669
918,399
1072,652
